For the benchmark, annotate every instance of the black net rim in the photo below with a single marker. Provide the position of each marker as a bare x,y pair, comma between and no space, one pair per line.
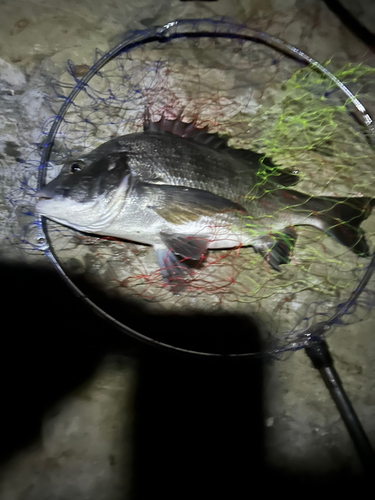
201,28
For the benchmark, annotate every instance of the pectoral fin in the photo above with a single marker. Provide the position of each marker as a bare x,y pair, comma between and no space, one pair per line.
189,247
179,205
175,270
178,258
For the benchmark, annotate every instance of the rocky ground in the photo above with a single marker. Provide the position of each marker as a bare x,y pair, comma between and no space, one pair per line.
87,414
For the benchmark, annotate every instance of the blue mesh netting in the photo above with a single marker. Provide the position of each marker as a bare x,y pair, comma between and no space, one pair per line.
235,81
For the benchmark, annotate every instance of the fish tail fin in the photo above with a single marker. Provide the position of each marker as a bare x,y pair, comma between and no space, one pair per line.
342,218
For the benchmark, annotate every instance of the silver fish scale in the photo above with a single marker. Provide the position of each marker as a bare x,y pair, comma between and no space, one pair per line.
171,160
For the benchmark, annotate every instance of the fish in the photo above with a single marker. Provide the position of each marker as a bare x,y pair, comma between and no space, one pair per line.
184,191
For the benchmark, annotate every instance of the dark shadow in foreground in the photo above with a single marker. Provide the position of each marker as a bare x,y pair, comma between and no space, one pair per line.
198,421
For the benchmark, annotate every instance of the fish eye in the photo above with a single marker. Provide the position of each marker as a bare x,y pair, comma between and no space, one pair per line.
75,167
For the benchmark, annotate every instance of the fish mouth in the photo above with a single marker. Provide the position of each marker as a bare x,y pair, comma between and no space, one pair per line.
46,193
42,202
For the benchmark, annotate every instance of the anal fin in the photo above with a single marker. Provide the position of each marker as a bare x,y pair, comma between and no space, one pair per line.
277,247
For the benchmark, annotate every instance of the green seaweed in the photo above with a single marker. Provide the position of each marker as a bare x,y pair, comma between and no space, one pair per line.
309,127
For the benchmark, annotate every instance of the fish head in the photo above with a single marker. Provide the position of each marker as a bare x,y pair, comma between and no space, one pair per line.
88,192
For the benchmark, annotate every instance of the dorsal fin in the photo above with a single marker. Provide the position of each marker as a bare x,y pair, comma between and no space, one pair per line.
182,129
281,177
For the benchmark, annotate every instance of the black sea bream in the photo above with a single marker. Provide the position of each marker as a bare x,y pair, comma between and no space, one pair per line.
184,191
